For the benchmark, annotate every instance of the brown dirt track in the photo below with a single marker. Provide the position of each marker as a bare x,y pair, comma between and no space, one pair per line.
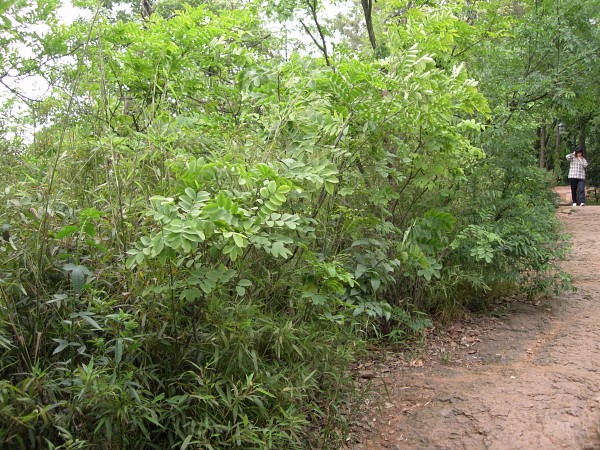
529,380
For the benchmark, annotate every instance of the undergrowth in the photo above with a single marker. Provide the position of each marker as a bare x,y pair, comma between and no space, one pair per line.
203,237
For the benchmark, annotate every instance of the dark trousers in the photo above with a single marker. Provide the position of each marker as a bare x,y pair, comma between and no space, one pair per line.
577,184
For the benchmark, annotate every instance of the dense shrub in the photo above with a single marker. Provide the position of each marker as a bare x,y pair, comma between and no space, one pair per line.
198,268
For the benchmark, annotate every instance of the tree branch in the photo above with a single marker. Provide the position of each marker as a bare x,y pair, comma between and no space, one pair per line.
367,6
312,6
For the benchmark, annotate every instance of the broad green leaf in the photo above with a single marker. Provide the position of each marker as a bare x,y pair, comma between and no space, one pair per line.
89,229
87,317
279,197
62,344
239,239
207,287
191,294
190,193
329,188
77,276
271,206
375,283
66,231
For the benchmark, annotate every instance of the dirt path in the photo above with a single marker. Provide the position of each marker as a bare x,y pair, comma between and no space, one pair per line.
530,380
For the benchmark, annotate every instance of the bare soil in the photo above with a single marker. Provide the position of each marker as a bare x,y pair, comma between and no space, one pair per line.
527,380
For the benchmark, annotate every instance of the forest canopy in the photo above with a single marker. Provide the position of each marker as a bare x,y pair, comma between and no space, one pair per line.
211,208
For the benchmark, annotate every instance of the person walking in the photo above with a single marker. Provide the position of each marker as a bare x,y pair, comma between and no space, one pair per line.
577,176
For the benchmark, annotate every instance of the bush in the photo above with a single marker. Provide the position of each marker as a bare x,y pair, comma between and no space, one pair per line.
199,271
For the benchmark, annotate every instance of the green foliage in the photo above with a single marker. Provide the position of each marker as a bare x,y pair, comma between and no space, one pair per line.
203,235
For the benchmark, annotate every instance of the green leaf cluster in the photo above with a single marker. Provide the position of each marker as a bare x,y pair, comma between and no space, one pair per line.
208,228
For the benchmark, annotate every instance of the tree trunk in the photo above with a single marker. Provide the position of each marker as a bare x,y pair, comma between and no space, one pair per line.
581,140
147,8
367,6
557,158
312,7
542,132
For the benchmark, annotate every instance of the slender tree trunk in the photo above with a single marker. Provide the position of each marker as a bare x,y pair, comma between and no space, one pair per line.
581,139
312,7
542,133
557,153
367,6
581,133
147,8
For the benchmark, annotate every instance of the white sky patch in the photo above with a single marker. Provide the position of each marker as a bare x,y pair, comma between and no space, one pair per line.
68,13
35,87
294,35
